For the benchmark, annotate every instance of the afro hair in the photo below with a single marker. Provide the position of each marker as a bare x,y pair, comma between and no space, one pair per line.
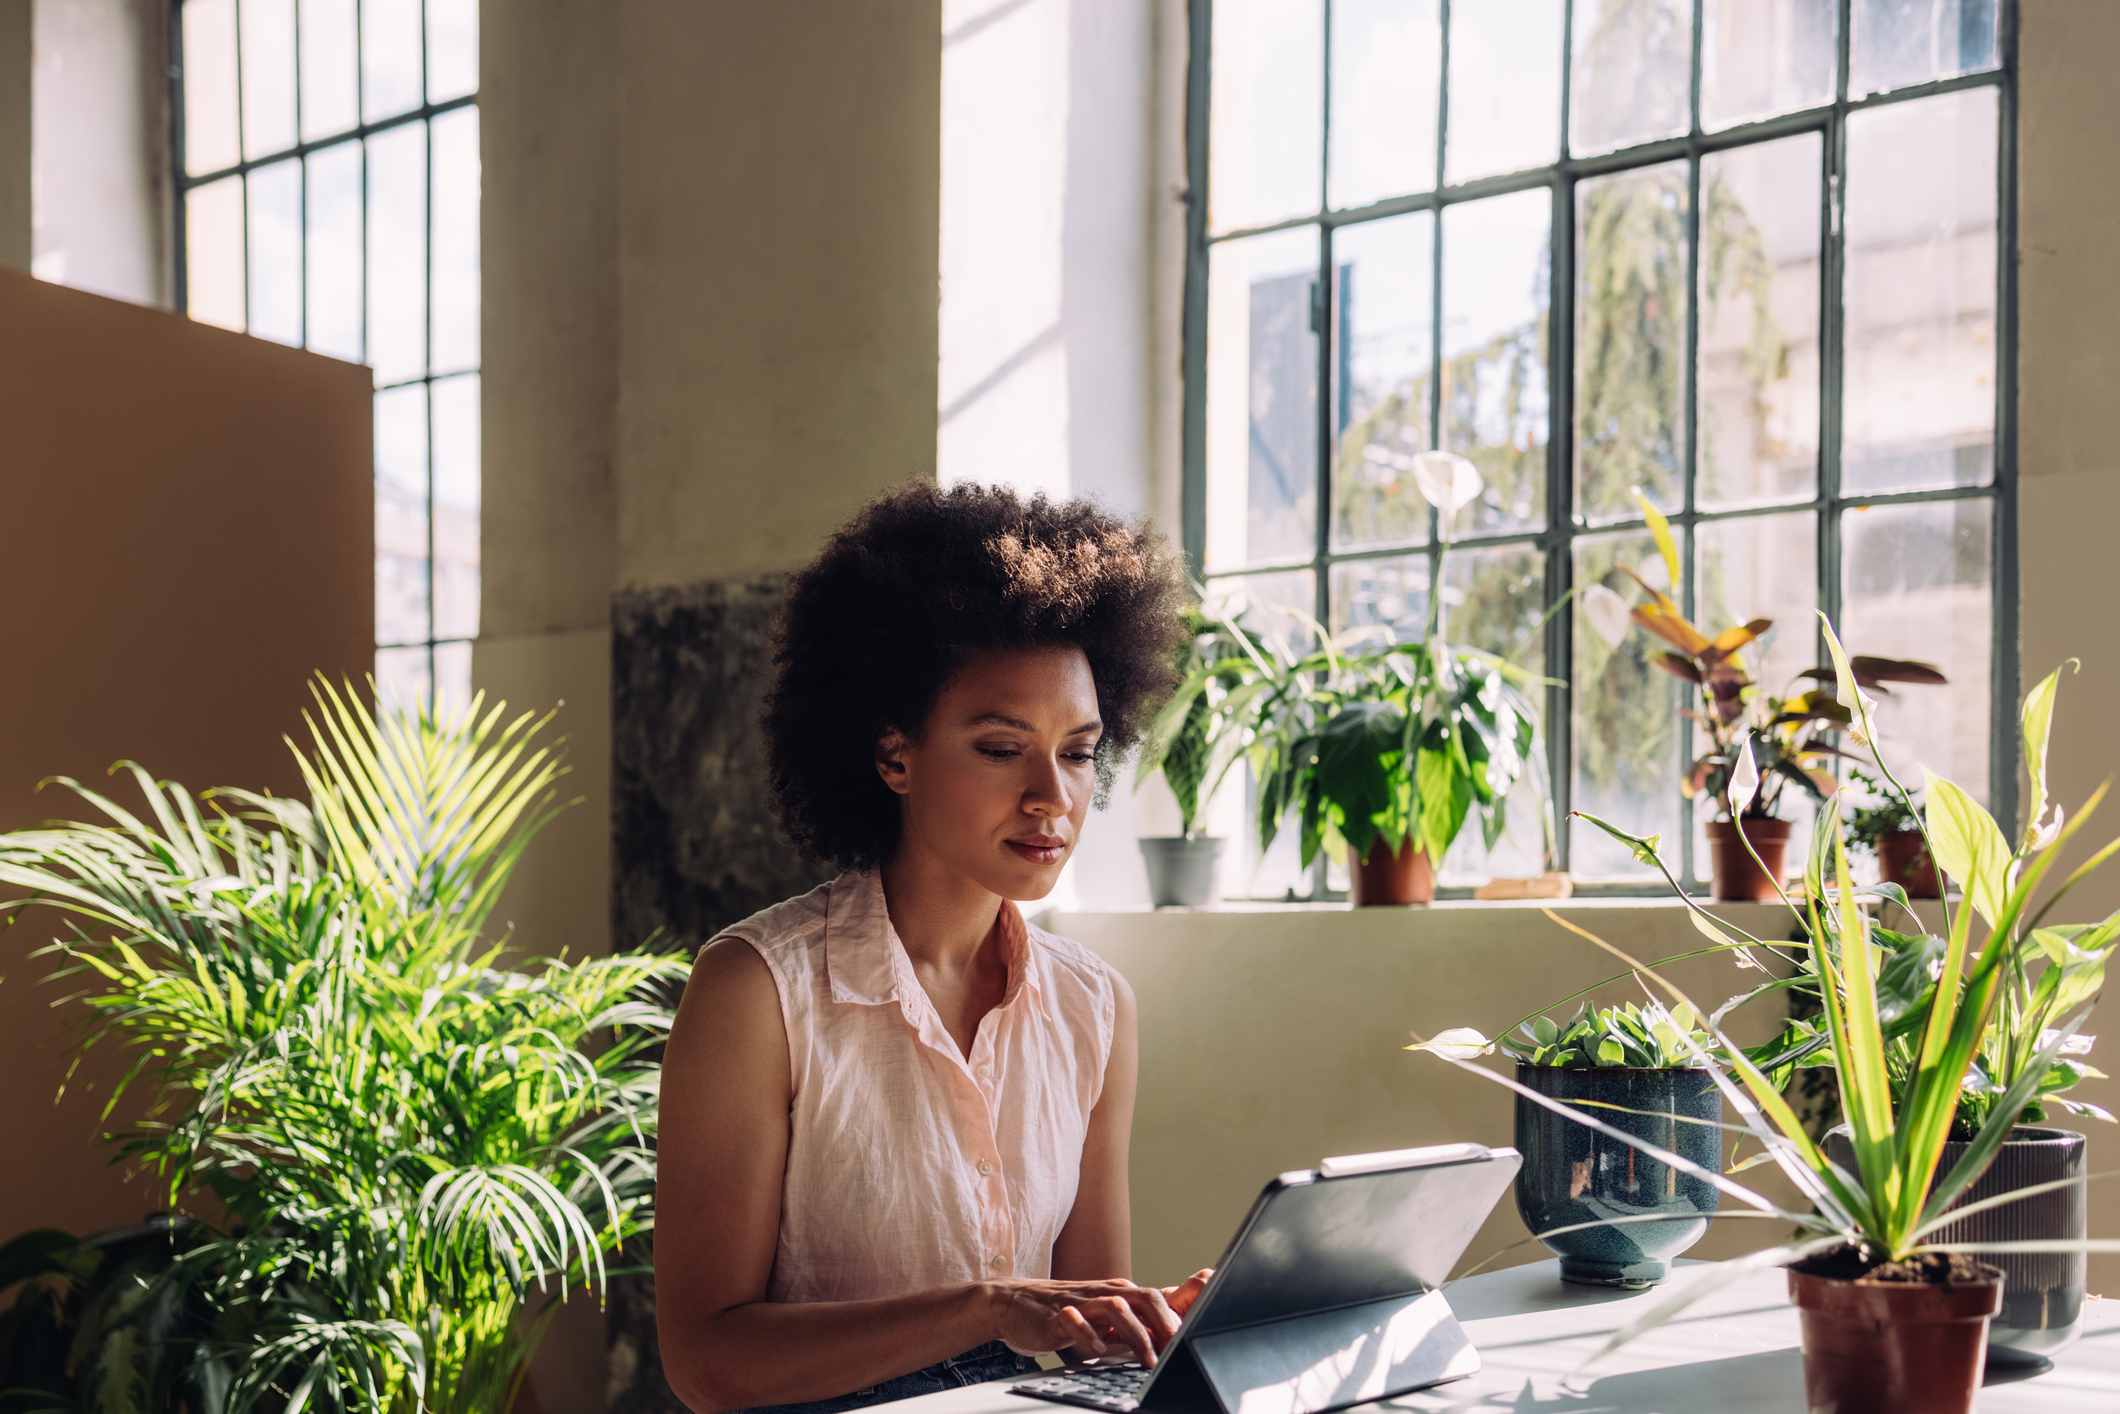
910,590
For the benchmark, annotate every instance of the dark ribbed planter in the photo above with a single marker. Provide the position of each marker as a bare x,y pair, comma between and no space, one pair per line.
2042,1295
1572,1174
1181,869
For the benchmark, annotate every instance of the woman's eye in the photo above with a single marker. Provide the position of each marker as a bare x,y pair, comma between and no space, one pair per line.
1081,755
995,753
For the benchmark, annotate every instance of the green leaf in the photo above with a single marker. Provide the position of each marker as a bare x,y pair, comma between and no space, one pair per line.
2038,718
1445,794
1968,844
1610,1052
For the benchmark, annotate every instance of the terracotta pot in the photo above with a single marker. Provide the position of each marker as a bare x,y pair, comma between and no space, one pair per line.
2043,1292
1893,1345
1903,859
1736,879
1384,878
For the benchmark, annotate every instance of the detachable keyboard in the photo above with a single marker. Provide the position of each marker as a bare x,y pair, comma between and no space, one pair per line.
1113,1387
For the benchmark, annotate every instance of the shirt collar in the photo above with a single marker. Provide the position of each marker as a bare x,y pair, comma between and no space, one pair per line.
867,962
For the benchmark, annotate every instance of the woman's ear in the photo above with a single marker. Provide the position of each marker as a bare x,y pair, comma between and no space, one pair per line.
891,751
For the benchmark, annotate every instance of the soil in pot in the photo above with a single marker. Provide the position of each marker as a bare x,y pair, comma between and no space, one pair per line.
1383,878
1903,859
1910,1334
1736,878
2043,1292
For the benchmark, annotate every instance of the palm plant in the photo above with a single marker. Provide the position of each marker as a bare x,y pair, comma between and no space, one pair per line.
406,1132
1895,1199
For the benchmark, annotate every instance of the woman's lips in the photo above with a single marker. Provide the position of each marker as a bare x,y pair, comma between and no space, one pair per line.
1037,854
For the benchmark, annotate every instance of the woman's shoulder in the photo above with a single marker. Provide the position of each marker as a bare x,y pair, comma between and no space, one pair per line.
791,925
1072,963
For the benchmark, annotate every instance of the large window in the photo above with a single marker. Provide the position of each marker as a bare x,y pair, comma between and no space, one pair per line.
1743,256
327,177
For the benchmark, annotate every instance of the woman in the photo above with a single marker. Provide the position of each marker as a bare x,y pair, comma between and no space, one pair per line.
895,1116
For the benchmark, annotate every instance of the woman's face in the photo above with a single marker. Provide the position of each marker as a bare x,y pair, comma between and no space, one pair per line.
1000,779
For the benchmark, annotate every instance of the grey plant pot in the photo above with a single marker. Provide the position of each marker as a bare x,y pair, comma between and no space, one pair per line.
1181,870
2042,1294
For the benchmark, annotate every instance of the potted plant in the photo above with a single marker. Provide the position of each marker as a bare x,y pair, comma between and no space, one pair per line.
1630,1066
1181,867
1888,826
407,1138
1386,753
2058,968
1894,1314
1787,732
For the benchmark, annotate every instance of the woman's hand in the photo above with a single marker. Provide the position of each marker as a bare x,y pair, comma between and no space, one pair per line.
1094,1317
1182,1296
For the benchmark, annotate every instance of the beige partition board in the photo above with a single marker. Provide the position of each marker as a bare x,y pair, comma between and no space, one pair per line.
190,534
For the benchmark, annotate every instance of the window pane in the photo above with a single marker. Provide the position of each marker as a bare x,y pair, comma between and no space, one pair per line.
397,252
209,86
401,515
334,294
452,49
1750,568
1633,73
1262,400
401,677
1630,339
1917,584
1385,328
456,243
1386,92
1266,135
1267,605
456,500
1763,57
452,677
213,253
1895,43
1919,294
1389,594
1505,87
1497,285
390,57
1624,715
329,81
276,252
268,77
1493,598
1759,372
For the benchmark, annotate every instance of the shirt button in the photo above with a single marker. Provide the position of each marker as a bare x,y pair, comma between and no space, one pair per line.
985,1168
999,1261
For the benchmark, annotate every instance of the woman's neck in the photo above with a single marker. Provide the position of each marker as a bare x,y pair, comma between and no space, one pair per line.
942,917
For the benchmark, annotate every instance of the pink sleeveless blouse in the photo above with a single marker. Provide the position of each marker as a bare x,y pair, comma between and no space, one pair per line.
911,1165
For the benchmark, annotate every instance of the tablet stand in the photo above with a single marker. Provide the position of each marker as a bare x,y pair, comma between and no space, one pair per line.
1320,1361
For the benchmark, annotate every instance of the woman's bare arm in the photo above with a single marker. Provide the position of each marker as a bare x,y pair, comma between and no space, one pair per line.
1097,1241
722,1156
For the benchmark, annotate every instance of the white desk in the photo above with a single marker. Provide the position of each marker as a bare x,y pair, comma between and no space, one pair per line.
1733,1354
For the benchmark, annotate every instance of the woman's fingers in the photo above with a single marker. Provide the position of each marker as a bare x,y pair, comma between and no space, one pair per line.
1119,1311
1078,1332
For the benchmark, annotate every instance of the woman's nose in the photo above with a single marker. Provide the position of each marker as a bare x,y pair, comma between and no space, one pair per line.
1047,791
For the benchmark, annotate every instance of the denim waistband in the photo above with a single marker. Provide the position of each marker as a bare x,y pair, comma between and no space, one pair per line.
990,1361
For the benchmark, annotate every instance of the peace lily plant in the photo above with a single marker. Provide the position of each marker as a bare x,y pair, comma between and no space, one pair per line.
1387,753
1905,1074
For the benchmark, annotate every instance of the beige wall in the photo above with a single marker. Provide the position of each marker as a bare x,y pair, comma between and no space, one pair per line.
2068,363
191,516
100,156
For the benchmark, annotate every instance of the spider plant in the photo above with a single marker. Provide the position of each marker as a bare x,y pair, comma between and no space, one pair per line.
402,1131
1894,1199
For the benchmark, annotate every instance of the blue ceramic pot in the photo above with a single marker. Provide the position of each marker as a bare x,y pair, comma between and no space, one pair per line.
1572,1174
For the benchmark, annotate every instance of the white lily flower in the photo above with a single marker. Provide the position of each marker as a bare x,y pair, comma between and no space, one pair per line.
1458,1043
1448,481
2048,829
1744,780
1607,614
2076,1045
